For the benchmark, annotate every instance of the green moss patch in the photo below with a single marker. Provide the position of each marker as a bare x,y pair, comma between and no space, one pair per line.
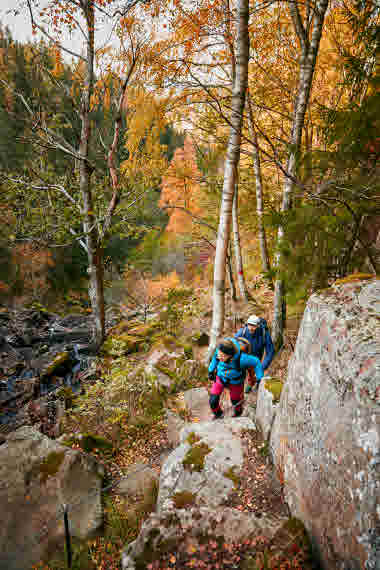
89,442
275,387
192,438
49,466
122,344
230,474
184,499
355,277
194,459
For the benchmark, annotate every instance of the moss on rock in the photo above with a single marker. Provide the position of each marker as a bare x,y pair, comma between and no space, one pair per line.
122,344
48,466
275,387
230,474
184,499
194,459
355,277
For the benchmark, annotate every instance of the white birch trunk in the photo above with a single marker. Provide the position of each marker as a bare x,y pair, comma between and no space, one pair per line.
309,52
238,257
94,252
230,172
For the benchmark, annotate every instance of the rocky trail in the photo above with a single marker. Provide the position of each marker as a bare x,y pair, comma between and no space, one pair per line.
219,503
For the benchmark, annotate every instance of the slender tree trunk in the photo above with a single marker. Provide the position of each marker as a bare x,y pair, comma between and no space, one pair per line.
230,171
309,52
265,263
94,252
238,257
231,277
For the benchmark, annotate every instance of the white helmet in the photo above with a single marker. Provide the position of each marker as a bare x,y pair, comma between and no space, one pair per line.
253,320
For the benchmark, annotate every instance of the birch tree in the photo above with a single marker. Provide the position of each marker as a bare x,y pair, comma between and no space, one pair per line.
53,22
230,170
308,26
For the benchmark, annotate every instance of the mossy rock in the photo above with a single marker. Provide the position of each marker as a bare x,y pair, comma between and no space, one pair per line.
354,277
49,466
275,387
58,360
194,459
122,344
88,442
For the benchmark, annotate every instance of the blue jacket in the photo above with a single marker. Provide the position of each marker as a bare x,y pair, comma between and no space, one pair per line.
260,340
234,370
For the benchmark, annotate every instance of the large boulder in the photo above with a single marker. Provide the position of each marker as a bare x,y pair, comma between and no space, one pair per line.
326,434
170,529
37,477
206,465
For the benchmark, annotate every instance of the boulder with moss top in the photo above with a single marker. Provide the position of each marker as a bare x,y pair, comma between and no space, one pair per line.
326,433
38,476
122,344
201,463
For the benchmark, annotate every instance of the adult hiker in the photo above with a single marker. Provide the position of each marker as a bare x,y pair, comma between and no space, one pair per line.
228,369
257,333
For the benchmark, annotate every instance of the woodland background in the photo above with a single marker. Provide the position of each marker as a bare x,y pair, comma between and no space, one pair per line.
113,159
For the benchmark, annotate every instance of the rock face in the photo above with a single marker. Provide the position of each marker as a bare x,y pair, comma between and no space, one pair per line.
37,476
326,435
267,404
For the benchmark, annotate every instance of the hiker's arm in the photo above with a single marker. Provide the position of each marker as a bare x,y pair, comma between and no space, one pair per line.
269,350
247,360
239,333
213,363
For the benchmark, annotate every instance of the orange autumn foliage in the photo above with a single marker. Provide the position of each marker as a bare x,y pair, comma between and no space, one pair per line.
159,287
181,189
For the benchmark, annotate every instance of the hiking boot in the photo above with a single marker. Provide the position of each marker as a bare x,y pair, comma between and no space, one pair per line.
248,389
218,416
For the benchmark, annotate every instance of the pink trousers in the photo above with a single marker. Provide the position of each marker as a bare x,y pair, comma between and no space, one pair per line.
236,395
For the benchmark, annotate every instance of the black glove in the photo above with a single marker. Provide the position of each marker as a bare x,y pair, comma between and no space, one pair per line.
212,375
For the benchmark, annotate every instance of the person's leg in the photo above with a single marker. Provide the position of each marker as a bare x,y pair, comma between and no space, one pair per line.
251,380
216,390
236,395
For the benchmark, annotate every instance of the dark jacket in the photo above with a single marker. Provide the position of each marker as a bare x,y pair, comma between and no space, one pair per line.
260,340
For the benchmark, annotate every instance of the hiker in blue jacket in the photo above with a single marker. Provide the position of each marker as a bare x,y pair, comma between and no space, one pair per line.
257,333
228,369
